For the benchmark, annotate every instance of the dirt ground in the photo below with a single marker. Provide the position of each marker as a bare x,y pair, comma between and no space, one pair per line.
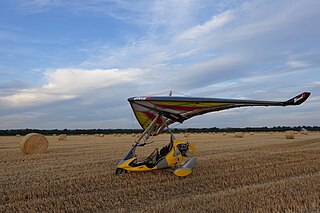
258,173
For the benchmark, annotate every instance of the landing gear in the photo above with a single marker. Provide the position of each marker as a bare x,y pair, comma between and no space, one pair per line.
120,171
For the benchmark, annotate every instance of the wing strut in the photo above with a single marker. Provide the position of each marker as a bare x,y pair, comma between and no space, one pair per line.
148,130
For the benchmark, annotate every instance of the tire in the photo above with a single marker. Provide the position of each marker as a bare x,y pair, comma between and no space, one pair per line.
120,171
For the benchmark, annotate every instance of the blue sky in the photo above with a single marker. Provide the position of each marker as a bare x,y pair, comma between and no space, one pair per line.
73,64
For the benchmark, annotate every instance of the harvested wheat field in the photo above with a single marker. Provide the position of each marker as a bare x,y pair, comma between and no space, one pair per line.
257,173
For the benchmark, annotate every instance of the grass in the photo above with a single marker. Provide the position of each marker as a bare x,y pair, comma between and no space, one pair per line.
259,173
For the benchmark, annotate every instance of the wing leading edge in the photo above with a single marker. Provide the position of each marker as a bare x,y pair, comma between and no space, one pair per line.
179,109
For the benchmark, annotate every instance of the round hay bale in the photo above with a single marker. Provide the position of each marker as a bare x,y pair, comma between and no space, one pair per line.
239,134
251,133
133,135
18,135
34,143
224,133
62,137
289,134
101,135
54,135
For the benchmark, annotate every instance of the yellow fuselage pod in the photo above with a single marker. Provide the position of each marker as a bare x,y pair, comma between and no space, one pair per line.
125,165
172,159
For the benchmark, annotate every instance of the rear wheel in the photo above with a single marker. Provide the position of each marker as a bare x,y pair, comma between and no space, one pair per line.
120,171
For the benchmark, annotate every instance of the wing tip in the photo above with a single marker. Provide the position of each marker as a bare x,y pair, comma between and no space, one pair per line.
297,100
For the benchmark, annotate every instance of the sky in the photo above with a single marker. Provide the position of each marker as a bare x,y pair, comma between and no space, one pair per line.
73,64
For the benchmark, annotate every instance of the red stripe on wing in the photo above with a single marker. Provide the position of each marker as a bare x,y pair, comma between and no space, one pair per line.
152,117
179,108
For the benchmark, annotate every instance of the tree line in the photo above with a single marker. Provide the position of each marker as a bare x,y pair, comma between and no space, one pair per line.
11,132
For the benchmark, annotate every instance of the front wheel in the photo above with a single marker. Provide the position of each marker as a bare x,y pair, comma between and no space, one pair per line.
120,171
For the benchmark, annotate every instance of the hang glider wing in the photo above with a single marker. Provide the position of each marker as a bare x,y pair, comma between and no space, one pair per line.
179,109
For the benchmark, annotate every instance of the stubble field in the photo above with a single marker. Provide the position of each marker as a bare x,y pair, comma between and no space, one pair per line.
258,173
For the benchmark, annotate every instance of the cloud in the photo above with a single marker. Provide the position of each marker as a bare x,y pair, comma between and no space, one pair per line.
204,29
133,11
242,30
228,49
65,84
79,81
17,120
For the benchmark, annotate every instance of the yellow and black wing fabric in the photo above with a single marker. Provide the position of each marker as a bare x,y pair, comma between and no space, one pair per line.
178,109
